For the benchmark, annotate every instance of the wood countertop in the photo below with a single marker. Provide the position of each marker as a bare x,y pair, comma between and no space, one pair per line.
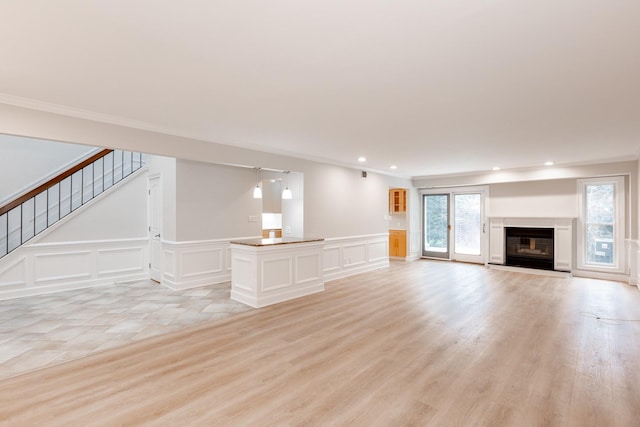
277,241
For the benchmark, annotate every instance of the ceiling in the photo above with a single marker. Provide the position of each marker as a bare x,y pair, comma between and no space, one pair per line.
434,87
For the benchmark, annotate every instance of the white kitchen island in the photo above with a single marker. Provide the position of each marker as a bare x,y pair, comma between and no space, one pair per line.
269,271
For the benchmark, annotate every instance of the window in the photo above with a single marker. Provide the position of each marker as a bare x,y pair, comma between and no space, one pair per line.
601,235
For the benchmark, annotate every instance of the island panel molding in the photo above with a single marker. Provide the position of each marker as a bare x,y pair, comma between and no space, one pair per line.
269,271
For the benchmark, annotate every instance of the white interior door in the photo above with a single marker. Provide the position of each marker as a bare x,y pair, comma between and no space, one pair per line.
155,225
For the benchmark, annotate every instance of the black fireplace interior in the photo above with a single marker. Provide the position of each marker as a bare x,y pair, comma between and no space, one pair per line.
529,247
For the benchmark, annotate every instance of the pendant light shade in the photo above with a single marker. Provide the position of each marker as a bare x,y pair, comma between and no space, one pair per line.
286,193
257,192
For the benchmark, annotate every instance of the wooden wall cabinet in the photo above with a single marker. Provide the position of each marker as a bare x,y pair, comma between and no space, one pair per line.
398,243
397,200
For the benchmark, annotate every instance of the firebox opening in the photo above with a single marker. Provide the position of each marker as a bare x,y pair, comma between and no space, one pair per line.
529,247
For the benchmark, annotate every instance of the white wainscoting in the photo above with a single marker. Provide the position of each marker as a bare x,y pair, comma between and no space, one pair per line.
197,263
52,267
633,251
346,256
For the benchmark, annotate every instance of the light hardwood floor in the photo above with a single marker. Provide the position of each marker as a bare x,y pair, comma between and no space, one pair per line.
423,343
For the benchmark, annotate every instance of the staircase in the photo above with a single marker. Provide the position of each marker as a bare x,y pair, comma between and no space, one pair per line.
30,214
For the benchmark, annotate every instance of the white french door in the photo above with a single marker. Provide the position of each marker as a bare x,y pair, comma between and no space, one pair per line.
454,225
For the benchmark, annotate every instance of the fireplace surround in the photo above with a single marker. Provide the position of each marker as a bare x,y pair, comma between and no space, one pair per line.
551,256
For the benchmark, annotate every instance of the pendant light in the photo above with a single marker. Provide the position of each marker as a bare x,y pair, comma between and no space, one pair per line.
257,192
286,193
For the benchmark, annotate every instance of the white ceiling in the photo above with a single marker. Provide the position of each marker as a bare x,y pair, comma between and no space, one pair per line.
434,86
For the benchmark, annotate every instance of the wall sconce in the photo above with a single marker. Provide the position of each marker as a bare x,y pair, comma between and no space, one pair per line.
257,192
286,193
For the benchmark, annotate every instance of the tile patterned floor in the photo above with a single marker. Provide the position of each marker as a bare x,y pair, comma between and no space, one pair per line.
47,329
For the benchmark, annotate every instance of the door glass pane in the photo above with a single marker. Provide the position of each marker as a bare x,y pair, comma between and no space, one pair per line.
600,223
436,222
467,220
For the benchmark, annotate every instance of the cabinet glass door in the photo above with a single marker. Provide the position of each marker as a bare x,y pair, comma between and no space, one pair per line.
436,225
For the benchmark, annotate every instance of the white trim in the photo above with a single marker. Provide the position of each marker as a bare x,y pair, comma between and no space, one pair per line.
483,190
562,241
619,265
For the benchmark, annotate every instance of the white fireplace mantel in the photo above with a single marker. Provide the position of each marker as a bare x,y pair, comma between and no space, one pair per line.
563,238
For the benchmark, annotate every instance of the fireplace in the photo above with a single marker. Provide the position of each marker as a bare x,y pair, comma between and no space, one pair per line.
529,247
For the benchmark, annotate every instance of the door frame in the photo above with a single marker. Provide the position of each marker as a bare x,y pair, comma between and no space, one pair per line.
483,190
155,264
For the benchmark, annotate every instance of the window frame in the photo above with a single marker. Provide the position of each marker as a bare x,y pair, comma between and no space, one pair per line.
619,225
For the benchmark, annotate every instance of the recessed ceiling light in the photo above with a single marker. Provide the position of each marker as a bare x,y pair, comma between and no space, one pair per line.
549,163
393,167
362,159
496,168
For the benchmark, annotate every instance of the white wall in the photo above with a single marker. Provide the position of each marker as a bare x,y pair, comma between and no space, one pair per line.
215,202
120,213
552,199
26,162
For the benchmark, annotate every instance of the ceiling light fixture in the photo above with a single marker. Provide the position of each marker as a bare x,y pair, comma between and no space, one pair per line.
257,192
286,193
394,167
362,159
496,168
549,163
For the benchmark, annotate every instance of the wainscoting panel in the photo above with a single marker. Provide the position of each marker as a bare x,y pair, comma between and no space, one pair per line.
346,256
196,263
52,267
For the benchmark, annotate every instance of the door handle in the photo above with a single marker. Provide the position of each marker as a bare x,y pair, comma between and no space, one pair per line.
483,228
157,235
